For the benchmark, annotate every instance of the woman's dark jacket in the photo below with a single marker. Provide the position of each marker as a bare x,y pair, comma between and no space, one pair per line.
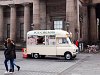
10,51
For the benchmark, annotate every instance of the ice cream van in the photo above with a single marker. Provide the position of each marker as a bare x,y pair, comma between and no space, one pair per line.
41,43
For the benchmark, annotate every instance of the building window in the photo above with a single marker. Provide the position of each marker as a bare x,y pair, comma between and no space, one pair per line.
8,30
58,25
21,30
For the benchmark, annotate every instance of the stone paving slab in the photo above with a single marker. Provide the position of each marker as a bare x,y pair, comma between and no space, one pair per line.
90,66
43,66
46,66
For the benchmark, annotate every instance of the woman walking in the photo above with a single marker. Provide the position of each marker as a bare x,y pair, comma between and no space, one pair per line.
9,55
18,67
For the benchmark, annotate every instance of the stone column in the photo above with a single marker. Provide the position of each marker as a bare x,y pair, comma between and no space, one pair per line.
26,19
1,23
49,23
43,14
85,24
13,22
93,26
78,22
36,14
71,17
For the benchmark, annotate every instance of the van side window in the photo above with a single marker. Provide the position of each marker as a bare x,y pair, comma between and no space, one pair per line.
50,40
62,41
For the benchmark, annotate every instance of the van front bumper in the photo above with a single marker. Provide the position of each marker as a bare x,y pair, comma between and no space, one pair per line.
73,56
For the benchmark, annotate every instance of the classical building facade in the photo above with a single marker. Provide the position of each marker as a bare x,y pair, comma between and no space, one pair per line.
80,17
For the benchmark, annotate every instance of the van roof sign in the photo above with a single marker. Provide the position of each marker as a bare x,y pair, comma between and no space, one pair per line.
41,32
48,32
44,32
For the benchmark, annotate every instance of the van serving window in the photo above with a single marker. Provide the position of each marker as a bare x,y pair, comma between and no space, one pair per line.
40,40
31,40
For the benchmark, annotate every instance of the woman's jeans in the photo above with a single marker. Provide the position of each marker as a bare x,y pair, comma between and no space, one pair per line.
11,63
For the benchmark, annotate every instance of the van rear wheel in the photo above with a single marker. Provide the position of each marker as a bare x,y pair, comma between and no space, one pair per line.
68,56
36,55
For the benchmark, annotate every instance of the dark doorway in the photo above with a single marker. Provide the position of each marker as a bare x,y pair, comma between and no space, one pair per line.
21,31
8,30
98,19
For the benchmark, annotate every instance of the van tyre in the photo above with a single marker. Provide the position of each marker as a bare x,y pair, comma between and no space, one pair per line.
68,56
35,55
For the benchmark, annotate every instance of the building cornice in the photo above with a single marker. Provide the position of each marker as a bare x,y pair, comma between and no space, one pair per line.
7,2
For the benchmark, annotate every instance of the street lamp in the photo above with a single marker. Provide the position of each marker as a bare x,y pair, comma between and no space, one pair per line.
67,25
32,26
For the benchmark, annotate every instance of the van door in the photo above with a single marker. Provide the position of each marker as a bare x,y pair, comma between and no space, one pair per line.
62,45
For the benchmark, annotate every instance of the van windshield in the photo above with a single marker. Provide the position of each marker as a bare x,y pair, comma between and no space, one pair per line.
68,40
64,41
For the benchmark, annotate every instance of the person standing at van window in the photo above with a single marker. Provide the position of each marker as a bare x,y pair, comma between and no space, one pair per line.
77,43
9,54
70,36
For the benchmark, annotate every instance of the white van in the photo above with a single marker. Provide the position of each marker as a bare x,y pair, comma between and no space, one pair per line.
50,42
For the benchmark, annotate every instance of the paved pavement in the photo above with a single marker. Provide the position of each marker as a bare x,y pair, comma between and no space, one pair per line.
84,64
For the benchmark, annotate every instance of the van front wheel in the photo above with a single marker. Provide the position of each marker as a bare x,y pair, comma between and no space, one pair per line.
68,56
36,55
